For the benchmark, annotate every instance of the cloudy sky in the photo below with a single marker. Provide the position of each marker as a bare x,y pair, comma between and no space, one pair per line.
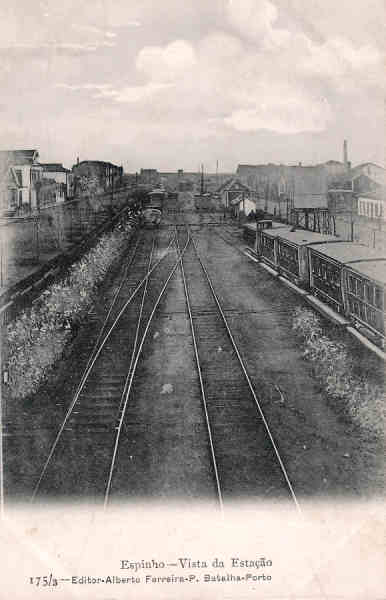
173,83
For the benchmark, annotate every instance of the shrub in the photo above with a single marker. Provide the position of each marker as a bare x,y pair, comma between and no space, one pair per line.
334,366
37,338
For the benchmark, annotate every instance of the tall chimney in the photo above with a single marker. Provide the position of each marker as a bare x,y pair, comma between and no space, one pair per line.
345,156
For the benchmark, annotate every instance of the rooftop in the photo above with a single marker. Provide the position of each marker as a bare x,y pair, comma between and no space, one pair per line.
368,164
19,157
300,237
350,253
95,162
54,167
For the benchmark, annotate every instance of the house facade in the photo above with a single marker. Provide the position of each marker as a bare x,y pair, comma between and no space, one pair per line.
372,171
236,196
372,207
298,186
20,176
63,177
106,174
284,187
360,192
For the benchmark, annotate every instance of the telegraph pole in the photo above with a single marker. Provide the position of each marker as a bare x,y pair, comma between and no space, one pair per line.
1,425
112,192
37,241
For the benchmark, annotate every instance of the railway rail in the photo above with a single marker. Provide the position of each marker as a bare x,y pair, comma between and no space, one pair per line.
146,315
244,453
103,390
88,456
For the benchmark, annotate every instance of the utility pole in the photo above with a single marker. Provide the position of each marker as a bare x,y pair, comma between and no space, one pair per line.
37,247
2,276
1,426
202,180
112,192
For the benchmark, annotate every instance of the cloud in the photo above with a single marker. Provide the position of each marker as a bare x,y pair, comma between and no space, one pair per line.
223,82
259,77
338,58
71,47
84,86
283,111
216,73
334,58
256,21
166,63
127,94
91,29
133,94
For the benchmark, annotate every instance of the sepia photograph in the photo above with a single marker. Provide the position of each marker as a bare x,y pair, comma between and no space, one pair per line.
192,299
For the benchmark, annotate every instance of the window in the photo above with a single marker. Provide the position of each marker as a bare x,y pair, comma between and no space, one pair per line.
362,311
352,284
315,265
360,289
14,198
371,316
354,307
378,296
369,293
19,177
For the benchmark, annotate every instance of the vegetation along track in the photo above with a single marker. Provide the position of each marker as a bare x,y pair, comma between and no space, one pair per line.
81,459
245,458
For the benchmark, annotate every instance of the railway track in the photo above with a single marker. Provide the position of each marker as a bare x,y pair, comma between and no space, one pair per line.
245,456
89,455
82,458
119,458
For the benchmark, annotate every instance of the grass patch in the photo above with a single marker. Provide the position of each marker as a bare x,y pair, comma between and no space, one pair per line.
335,367
36,339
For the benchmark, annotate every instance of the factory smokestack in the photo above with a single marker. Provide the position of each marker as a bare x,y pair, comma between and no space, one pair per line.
345,155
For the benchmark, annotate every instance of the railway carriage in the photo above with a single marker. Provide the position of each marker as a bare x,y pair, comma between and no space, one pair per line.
326,276
351,278
365,292
249,232
249,229
153,207
267,246
286,251
292,255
